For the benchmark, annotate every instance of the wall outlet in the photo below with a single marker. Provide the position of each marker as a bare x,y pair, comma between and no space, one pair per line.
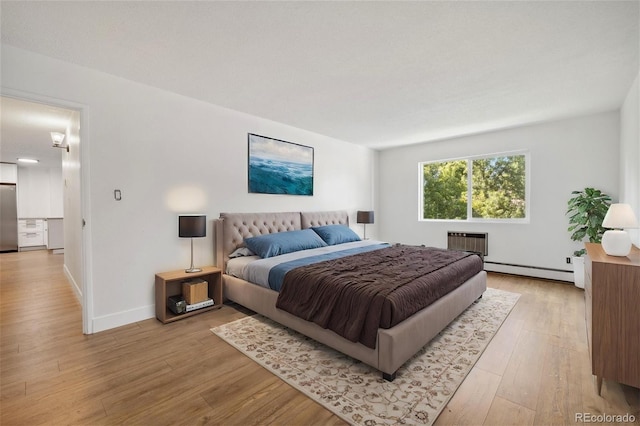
568,260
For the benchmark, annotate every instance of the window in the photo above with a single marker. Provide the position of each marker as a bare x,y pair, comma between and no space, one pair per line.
480,188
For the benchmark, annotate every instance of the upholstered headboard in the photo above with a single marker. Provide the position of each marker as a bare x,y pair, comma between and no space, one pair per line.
309,219
233,228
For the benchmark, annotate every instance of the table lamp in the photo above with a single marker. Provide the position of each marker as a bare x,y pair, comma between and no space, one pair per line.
616,242
192,226
364,217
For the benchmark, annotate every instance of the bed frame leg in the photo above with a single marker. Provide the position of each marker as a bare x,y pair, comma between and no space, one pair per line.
389,377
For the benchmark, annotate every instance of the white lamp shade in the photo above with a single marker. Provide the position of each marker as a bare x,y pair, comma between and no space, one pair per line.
620,216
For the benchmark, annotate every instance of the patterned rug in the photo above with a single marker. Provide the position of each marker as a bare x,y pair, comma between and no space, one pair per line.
356,392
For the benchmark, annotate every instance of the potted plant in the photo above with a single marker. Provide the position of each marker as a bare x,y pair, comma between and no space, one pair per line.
586,210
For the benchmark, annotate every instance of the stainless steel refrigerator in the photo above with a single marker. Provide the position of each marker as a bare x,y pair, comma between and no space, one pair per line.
8,217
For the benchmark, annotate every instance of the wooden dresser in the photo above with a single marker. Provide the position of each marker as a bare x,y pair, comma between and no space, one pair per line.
612,296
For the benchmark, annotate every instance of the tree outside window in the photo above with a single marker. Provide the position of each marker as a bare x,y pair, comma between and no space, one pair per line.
479,188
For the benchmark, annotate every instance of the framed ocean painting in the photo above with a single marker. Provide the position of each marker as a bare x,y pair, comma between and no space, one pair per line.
279,167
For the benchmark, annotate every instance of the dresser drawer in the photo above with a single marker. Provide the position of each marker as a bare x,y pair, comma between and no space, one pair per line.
30,225
30,239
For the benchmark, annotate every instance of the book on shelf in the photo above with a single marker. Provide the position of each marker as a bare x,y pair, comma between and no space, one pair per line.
199,305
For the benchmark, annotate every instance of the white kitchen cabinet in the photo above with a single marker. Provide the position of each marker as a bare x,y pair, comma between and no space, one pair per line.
31,233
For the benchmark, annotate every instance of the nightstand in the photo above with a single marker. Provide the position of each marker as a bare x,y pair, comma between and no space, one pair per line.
170,284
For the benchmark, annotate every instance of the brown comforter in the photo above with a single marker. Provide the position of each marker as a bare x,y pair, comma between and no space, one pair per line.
355,295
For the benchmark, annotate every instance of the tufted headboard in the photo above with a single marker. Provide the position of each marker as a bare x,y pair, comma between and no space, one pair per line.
233,228
309,219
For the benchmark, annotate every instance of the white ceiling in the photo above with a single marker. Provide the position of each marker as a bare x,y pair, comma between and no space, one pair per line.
379,74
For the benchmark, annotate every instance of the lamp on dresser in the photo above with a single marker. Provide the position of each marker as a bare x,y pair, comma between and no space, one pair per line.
616,242
364,217
192,226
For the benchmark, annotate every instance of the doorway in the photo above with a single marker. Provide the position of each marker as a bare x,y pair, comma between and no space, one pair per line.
27,124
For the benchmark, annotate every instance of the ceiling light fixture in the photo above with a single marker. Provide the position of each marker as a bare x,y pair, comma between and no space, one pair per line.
28,160
57,139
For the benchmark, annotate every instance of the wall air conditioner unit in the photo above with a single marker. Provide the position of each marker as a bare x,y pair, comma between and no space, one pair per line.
476,242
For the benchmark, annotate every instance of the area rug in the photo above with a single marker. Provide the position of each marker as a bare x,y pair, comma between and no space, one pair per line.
356,392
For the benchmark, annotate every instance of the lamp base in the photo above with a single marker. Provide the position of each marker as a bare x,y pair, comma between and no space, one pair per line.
191,268
616,243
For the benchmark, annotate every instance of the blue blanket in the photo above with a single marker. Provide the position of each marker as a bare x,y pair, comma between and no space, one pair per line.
258,271
277,273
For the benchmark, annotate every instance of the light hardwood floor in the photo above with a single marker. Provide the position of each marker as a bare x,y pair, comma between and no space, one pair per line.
535,371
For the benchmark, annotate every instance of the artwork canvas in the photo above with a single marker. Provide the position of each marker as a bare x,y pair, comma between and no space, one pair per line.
279,167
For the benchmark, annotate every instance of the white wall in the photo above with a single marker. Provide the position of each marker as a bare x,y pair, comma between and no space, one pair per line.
630,154
39,192
565,155
170,154
8,173
72,203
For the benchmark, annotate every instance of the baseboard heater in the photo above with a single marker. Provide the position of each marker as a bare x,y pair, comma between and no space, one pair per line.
476,242
529,271
541,268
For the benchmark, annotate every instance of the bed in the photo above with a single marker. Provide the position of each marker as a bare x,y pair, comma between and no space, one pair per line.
392,346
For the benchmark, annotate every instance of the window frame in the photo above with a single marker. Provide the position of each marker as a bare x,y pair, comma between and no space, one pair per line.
469,160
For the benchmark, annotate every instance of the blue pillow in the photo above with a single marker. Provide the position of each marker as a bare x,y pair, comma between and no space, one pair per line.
336,234
270,245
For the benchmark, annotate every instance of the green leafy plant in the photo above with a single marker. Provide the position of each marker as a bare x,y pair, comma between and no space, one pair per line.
586,210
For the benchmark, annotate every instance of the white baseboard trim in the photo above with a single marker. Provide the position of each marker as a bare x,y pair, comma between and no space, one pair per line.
74,285
528,271
118,319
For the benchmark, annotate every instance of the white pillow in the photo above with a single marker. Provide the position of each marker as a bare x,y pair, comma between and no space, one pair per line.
240,252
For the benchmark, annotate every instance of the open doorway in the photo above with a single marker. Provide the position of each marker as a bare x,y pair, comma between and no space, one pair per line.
49,189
